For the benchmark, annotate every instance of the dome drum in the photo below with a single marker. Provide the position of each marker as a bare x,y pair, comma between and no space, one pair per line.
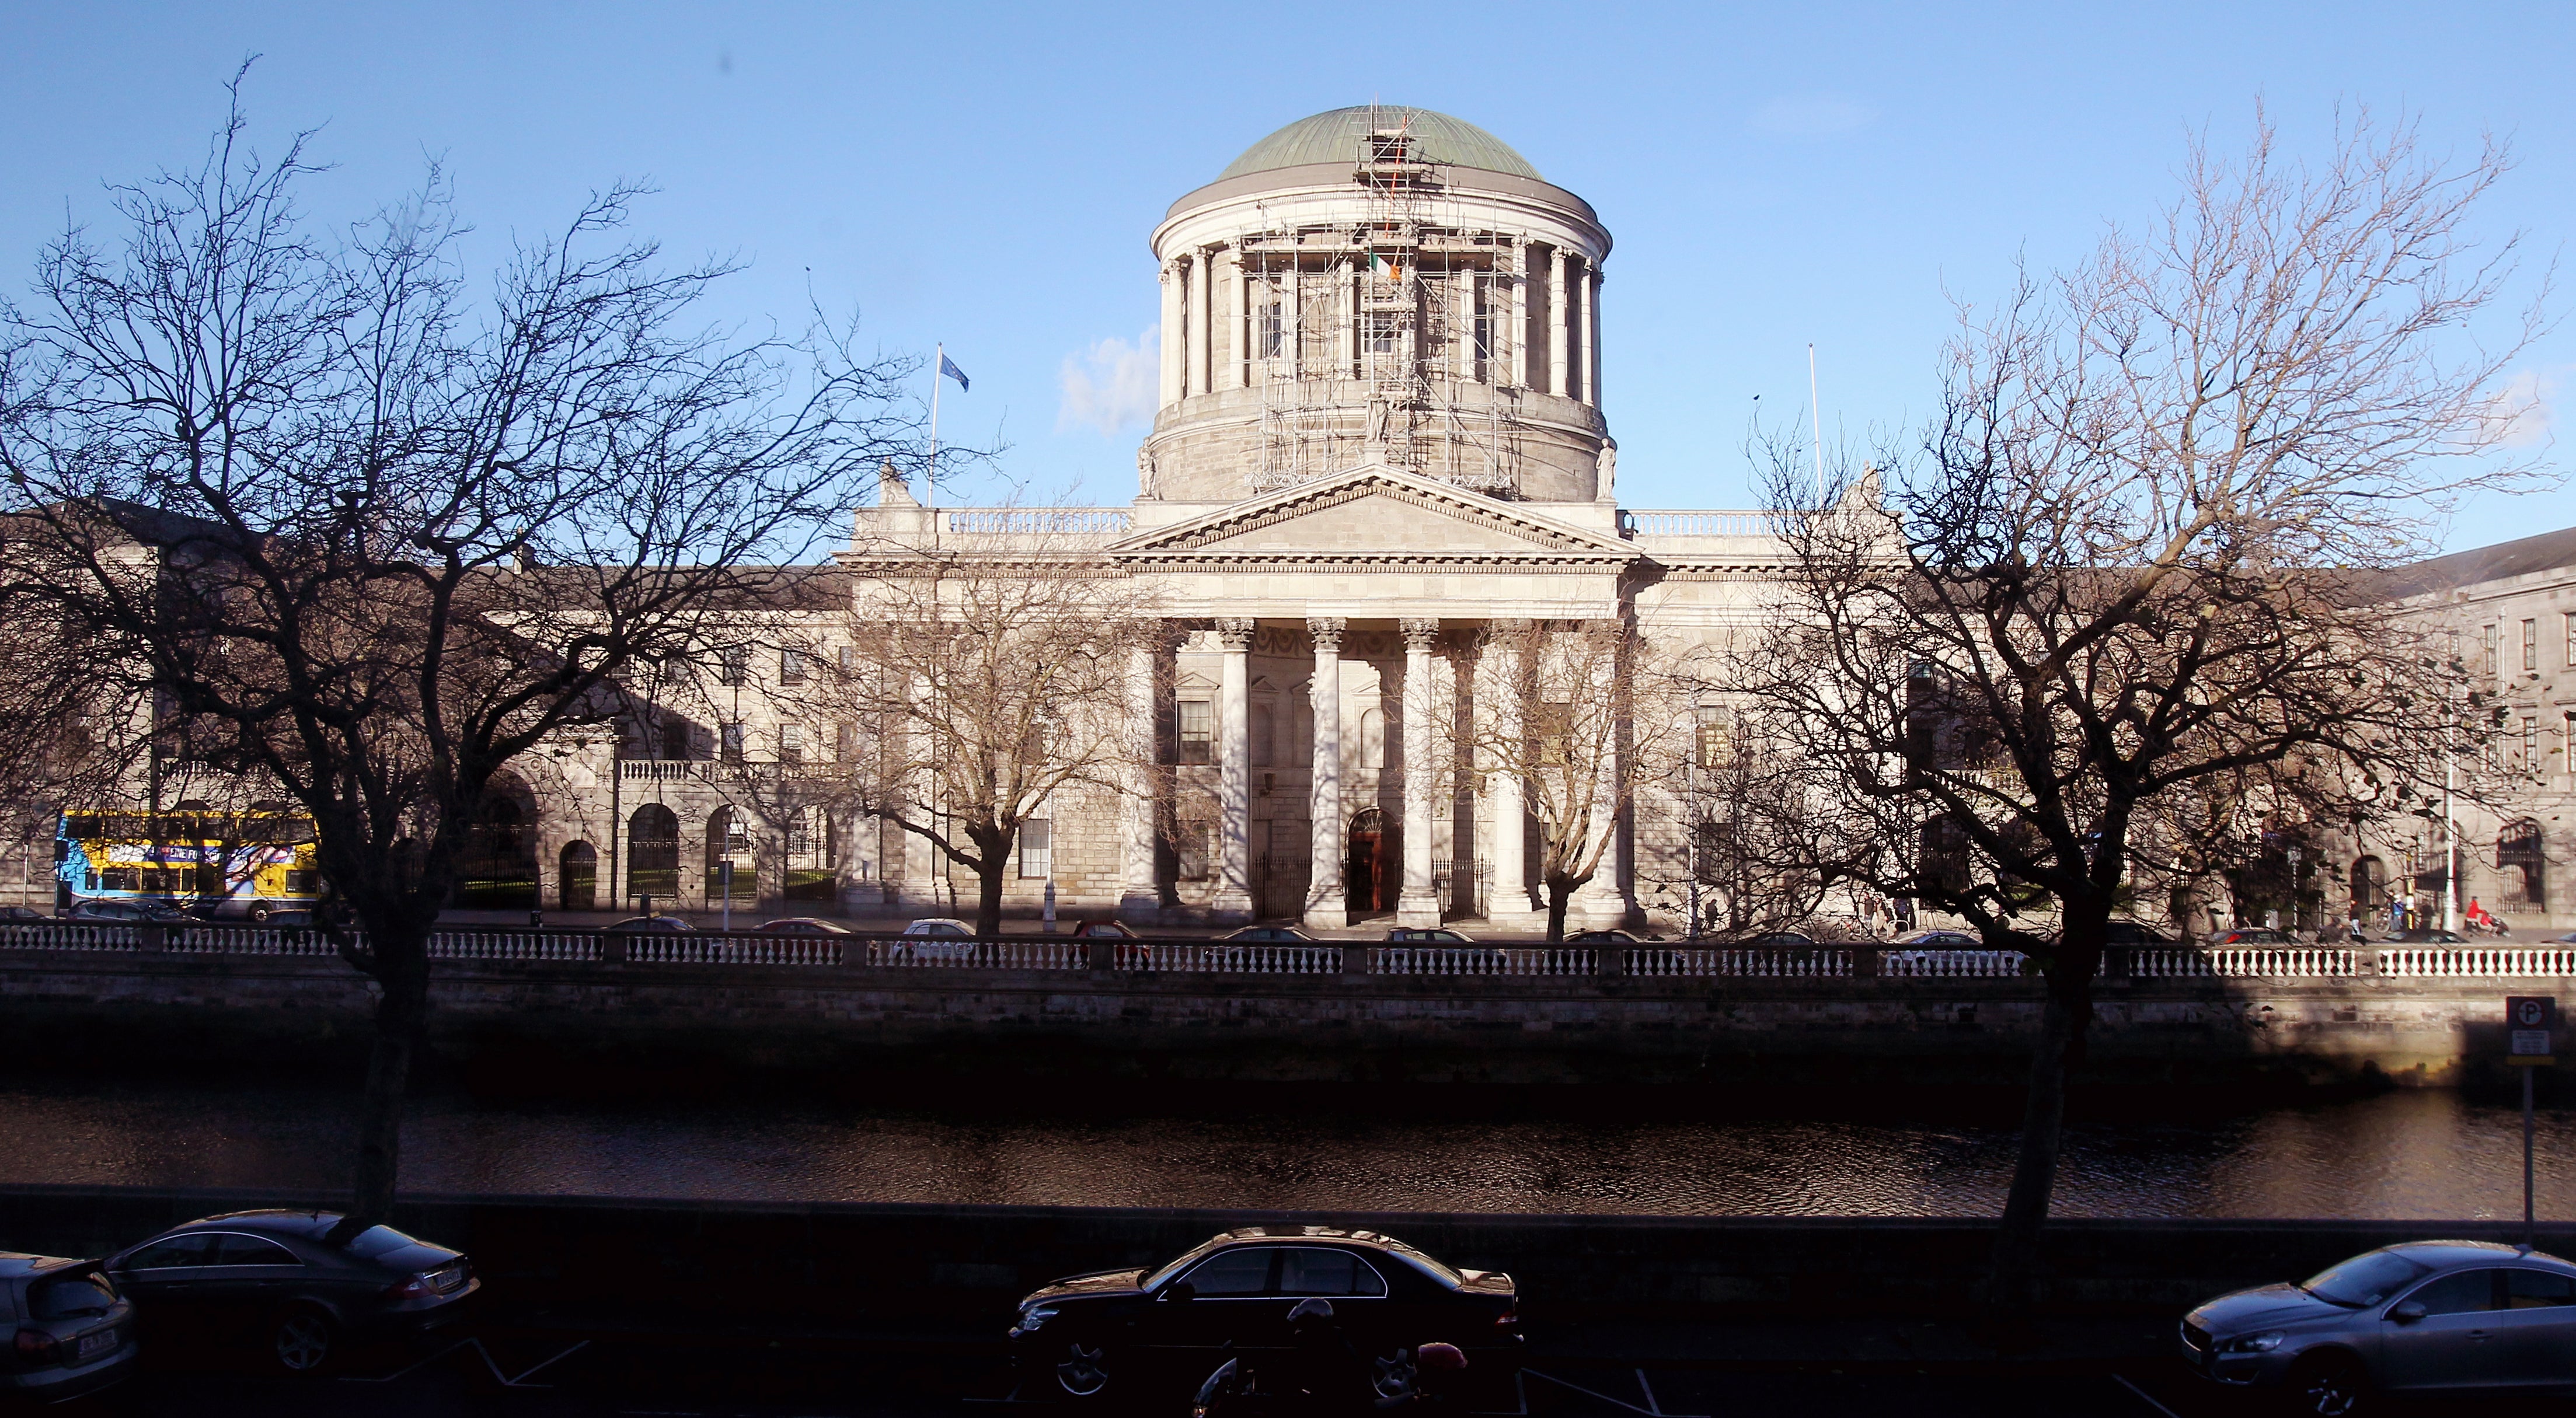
1386,308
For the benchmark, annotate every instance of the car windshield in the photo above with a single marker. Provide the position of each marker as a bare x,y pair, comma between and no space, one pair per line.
2364,1279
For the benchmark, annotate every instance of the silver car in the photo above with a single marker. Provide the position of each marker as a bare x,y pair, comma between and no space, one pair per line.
73,1334
2425,1317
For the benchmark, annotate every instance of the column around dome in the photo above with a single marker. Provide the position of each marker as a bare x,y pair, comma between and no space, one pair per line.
1170,368
1202,351
1520,314
1556,352
1592,338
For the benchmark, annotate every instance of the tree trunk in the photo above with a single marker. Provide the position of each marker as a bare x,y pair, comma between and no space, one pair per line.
2064,1017
402,1015
1559,892
988,892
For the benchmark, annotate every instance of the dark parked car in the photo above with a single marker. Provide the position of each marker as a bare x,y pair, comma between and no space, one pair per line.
1424,935
1610,938
22,913
802,925
1103,930
1782,940
1267,935
295,1284
2250,935
2428,935
2423,1318
653,925
1108,1335
73,1334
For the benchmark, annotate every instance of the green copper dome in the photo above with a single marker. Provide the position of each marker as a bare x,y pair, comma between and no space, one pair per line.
1333,137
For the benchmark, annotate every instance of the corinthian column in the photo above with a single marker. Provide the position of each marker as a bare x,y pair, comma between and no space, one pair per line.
1503,790
1327,900
1139,899
1202,323
1417,906
1556,314
1234,736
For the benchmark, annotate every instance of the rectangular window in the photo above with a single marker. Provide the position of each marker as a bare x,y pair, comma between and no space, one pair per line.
791,743
1378,334
730,740
1271,336
849,660
1715,738
2569,657
1552,724
1198,731
1037,849
2531,644
675,739
2487,663
2531,745
791,666
733,664
845,742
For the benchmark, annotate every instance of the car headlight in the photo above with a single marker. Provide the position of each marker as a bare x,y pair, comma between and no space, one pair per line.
1036,1315
2263,1343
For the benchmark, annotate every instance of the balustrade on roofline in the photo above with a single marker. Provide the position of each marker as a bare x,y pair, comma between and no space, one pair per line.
1039,953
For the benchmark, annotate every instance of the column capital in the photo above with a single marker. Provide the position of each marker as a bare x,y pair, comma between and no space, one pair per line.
1419,635
1234,633
1327,631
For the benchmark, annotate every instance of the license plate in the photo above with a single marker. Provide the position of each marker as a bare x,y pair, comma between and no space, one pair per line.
95,1343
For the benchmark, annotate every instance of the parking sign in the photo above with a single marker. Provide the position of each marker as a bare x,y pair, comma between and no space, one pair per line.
2529,1022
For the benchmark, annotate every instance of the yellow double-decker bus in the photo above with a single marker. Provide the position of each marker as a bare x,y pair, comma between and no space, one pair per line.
213,865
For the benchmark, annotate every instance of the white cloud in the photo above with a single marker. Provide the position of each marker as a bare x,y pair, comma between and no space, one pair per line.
2524,413
1111,385
1813,115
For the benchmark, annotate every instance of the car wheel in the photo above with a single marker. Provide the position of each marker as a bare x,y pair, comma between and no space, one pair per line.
1083,1371
1392,1373
259,913
302,1341
2330,1386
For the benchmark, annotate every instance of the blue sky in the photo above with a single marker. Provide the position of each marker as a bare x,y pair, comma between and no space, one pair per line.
986,175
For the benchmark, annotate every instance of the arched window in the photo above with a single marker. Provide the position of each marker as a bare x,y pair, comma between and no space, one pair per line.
2369,884
729,845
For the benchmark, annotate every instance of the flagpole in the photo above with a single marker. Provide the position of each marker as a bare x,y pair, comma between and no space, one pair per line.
1815,415
930,478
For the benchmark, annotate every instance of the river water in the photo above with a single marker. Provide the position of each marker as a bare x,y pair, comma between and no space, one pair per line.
2415,1154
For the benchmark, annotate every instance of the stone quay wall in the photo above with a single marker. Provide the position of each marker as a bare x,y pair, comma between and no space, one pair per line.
890,1260
1039,1008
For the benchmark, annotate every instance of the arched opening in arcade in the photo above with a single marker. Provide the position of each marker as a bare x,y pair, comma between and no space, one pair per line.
499,871
577,878
653,854
730,862
2369,884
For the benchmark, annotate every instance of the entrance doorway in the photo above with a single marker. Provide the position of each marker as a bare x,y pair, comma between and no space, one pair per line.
1371,872
577,877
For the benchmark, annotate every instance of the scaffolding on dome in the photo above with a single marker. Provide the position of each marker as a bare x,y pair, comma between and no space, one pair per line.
1391,339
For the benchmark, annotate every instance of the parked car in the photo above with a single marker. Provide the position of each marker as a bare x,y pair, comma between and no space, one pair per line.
22,913
1103,930
652,925
940,927
1938,940
2428,935
297,1284
1611,938
1947,952
127,912
74,1333
802,925
2134,933
1423,935
2568,939
2422,1318
2250,935
1112,1335
1781,940
1268,935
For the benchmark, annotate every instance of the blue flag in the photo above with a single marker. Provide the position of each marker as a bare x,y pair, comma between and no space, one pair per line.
949,367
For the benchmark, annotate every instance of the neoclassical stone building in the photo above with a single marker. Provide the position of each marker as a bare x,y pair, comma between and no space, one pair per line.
1380,430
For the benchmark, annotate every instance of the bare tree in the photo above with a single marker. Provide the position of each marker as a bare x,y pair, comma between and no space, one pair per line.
373,542
990,674
1586,714
2138,562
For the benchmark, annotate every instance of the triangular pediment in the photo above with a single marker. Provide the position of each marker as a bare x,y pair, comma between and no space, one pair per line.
1374,513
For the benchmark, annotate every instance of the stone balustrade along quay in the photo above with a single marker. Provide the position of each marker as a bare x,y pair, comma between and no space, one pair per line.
1322,1013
